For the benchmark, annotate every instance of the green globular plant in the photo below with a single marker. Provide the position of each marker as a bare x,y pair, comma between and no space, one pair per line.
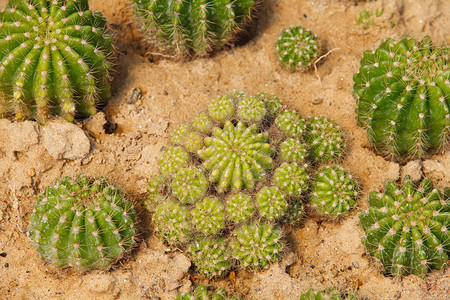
55,59
201,293
251,110
193,142
325,139
202,123
408,229
292,150
173,222
297,48
221,109
294,213
179,134
189,185
211,256
237,156
291,179
257,244
271,202
291,124
334,192
272,102
192,27
83,223
402,91
156,192
172,159
208,216
332,293
240,207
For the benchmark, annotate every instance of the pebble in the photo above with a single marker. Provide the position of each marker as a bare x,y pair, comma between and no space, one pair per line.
3,254
134,95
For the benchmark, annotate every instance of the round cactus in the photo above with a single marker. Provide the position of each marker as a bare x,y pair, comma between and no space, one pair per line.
189,27
251,110
201,293
179,134
297,48
408,229
202,123
156,192
332,293
172,160
257,244
82,223
402,92
221,109
189,185
325,139
273,104
334,192
294,213
292,150
240,207
56,59
172,222
237,156
291,179
291,124
208,216
193,142
271,202
211,256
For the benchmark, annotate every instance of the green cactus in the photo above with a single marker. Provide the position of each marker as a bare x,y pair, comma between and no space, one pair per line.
237,156
56,59
157,189
193,142
292,150
297,48
202,123
256,245
332,293
402,92
291,179
334,192
189,185
211,256
240,207
179,134
208,216
221,109
173,222
251,110
82,223
173,158
272,202
408,229
192,27
325,139
291,124
272,102
201,293
294,213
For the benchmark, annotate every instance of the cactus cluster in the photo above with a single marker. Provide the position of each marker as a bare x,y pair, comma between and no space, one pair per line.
55,59
402,91
191,28
83,223
201,293
332,293
297,48
407,229
226,201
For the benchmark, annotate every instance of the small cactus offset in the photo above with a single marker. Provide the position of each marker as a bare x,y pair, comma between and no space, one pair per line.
297,48
201,293
56,59
291,124
402,91
408,229
291,179
334,192
83,223
325,139
332,293
191,28
211,256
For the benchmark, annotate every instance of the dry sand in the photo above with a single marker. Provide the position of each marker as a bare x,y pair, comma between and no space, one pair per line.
320,253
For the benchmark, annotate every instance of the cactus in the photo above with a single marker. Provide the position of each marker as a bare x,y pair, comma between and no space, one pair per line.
191,28
332,293
211,256
237,156
257,244
292,150
408,229
208,216
189,185
193,142
82,223
334,192
291,179
221,109
402,92
173,158
294,213
271,202
291,124
179,134
325,139
272,102
56,59
173,222
240,207
202,123
201,293
251,110
297,48
156,192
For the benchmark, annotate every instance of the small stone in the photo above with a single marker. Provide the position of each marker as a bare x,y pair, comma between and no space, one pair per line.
317,101
413,169
100,283
96,124
3,254
134,95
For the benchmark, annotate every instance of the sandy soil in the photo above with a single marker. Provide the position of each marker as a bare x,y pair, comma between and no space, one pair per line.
125,141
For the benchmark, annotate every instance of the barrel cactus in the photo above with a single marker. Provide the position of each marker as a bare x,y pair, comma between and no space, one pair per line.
325,139
56,59
83,223
402,92
408,229
201,293
332,293
191,28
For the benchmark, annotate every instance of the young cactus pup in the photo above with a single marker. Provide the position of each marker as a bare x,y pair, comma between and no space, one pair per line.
83,223
297,48
332,293
402,92
184,28
201,293
55,59
408,229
